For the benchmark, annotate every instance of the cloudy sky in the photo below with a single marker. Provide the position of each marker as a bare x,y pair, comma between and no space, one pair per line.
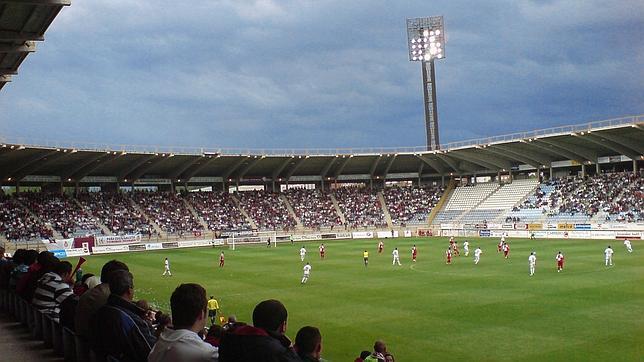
274,74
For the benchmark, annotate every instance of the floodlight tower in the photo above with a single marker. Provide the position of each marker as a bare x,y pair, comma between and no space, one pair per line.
426,40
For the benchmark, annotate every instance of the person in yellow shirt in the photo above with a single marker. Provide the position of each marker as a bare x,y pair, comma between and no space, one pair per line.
365,255
213,308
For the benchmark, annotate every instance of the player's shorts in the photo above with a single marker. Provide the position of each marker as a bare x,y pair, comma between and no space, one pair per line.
366,259
212,313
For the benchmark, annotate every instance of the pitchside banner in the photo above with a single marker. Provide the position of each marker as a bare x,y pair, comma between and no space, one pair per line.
118,239
362,235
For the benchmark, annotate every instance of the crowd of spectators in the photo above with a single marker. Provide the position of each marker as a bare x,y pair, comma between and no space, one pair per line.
17,224
314,208
116,212
360,207
218,210
61,212
411,204
266,209
168,211
619,195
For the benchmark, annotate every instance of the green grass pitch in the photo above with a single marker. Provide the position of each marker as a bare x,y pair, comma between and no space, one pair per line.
426,311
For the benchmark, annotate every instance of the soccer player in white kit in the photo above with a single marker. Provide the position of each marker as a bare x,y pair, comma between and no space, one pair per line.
466,247
532,262
608,253
477,255
307,271
166,265
396,257
627,244
302,253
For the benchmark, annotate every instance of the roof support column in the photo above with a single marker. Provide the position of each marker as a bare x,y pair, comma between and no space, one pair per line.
583,170
597,169
551,174
635,170
442,180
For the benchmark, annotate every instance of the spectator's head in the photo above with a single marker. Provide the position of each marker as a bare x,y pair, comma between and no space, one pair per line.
232,318
30,256
63,269
308,342
389,357
270,315
122,284
364,354
189,307
85,277
110,267
19,256
92,282
380,347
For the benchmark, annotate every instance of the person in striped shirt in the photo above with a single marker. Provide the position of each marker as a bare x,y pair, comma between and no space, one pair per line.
53,288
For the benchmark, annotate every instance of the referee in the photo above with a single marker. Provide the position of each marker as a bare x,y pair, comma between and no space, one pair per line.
213,307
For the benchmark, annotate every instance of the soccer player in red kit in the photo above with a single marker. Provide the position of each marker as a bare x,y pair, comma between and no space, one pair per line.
455,248
221,260
448,256
500,246
381,247
321,251
560,261
414,253
506,250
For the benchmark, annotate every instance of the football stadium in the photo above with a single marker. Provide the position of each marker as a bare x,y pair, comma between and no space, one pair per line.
523,245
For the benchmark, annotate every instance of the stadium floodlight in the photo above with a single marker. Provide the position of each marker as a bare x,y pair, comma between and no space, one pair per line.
426,41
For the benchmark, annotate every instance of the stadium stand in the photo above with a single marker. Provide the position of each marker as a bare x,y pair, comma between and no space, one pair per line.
218,210
266,209
168,211
411,205
116,212
61,212
17,224
314,208
360,206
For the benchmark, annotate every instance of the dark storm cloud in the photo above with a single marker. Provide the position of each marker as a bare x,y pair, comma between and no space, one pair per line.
273,74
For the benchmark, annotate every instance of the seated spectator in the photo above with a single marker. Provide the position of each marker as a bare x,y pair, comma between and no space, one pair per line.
119,329
363,355
379,351
81,286
23,261
215,332
53,288
308,344
264,341
181,341
28,283
389,357
69,305
95,298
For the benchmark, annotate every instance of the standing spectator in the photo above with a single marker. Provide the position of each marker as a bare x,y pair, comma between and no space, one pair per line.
119,328
53,288
181,342
95,298
264,341
308,344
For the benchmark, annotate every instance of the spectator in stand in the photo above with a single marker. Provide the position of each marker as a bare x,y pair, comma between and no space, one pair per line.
363,355
314,208
379,351
215,332
181,342
308,344
29,281
53,288
264,341
267,209
69,305
23,260
82,285
119,329
360,207
95,298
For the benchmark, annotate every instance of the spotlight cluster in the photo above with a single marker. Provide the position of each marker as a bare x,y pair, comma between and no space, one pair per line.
426,38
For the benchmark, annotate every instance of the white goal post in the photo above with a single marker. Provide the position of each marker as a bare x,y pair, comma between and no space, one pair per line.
268,238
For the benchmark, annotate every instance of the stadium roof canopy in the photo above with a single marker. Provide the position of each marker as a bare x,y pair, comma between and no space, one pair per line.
566,146
22,23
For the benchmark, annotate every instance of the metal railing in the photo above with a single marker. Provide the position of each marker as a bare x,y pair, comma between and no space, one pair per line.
188,150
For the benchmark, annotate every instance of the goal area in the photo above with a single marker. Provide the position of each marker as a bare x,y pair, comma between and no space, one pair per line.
268,238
